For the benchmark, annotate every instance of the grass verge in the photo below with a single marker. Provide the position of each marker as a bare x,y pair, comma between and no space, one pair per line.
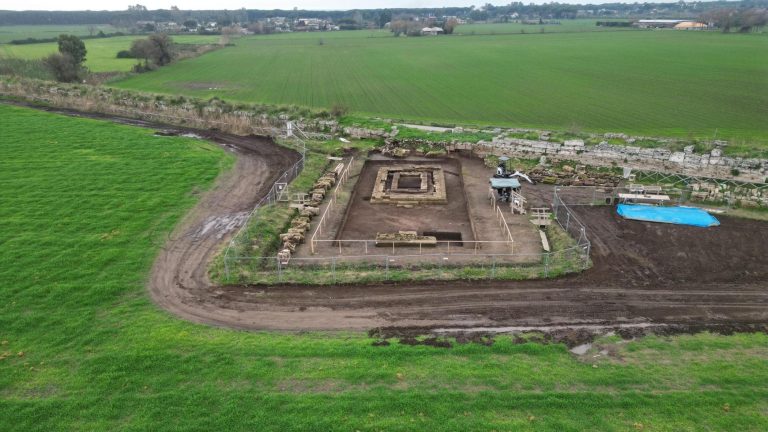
86,206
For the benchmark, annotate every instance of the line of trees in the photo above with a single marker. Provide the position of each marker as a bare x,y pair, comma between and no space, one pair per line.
551,10
742,20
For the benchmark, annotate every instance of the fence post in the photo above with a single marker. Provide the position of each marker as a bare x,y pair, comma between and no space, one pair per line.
279,270
333,268
493,267
586,257
442,264
386,267
546,264
567,220
594,195
554,201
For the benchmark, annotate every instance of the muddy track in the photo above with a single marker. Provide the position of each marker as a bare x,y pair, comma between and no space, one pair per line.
643,273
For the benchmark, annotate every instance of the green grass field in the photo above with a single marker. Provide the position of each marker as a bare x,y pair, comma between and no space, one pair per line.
565,26
9,33
642,82
102,53
87,205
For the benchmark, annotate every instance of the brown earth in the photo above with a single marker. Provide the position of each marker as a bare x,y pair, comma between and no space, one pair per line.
365,219
643,274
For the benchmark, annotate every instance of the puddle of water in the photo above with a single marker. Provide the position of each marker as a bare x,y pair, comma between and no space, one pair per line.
220,225
581,349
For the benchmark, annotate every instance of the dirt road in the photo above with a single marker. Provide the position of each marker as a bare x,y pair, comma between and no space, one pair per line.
643,273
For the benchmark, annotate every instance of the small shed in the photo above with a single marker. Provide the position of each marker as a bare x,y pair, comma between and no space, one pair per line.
431,31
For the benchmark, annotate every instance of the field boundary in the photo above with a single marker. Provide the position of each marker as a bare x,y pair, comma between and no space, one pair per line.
279,187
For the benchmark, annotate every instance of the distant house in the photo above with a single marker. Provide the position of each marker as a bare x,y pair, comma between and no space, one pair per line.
311,24
431,31
691,25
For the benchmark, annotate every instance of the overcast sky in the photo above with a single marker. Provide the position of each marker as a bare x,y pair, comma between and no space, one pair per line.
258,4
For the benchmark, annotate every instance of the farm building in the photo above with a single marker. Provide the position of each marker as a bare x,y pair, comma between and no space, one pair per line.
691,25
658,23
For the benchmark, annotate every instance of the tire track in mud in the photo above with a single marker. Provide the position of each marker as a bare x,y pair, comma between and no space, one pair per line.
643,273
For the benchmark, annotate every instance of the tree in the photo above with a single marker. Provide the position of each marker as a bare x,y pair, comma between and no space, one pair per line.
752,19
156,50
257,27
67,64
357,17
72,45
63,67
384,17
745,20
228,32
449,25
398,27
190,24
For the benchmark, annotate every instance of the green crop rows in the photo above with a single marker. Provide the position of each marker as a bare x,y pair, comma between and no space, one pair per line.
9,33
668,83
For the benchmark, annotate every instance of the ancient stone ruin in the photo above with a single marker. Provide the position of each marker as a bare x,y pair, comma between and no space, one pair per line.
408,185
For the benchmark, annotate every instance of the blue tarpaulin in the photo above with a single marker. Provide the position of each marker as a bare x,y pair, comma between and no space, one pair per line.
674,215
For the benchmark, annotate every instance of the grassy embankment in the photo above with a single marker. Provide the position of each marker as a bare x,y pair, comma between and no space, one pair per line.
86,207
663,83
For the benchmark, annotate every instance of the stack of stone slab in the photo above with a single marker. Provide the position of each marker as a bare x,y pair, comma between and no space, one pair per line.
405,238
296,234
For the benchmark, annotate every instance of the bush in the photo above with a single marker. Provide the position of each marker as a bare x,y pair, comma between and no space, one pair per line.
141,67
339,110
63,67
735,172
125,54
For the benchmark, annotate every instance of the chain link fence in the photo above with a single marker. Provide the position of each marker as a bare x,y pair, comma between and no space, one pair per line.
243,239
356,262
387,267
